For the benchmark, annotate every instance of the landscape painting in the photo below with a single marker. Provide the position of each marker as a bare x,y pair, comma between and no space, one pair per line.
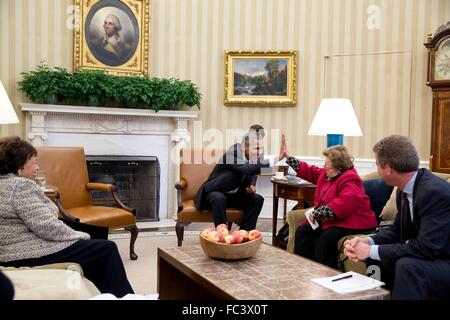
256,77
260,77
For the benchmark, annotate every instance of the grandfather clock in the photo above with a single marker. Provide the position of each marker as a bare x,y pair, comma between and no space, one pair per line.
438,78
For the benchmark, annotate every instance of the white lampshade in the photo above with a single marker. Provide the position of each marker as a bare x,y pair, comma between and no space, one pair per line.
7,113
335,116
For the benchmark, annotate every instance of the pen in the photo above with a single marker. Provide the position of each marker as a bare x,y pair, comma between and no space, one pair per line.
342,278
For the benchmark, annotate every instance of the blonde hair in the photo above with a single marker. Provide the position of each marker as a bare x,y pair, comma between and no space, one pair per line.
339,157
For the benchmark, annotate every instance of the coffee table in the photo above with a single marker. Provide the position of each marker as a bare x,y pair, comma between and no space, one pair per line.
272,274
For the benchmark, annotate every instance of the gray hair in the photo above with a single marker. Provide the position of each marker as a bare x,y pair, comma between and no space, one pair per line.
398,152
116,21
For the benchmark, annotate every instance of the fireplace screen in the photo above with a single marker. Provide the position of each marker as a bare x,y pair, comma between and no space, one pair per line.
136,179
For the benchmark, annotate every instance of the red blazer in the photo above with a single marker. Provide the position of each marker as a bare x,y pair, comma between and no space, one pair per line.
344,194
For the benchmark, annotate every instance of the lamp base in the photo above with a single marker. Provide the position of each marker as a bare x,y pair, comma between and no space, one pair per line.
334,139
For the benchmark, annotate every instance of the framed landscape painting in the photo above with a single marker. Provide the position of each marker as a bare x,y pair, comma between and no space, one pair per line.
112,35
261,78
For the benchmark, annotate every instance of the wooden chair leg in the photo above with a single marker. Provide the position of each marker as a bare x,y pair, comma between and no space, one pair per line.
179,229
134,233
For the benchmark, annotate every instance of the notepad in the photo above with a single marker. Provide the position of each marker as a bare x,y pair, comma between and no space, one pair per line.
355,283
313,223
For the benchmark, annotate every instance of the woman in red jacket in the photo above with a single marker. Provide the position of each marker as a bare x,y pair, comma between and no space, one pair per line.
341,206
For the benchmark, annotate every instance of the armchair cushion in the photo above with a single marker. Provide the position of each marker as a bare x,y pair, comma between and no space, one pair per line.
378,192
390,209
62,281
103,216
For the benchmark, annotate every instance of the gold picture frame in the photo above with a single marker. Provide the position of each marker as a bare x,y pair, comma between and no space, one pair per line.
260,78
112,35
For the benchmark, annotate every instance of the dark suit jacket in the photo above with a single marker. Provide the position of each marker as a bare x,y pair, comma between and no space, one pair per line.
231,171
431,211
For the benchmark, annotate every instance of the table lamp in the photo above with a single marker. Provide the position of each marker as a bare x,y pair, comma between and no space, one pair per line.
7,113
335,119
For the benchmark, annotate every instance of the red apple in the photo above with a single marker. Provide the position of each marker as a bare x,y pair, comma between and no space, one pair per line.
244,235
254,234
221,237
229,239
237,236
214,236
205,232
222,230
222,225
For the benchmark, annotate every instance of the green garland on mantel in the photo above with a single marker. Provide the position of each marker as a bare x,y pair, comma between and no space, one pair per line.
97,88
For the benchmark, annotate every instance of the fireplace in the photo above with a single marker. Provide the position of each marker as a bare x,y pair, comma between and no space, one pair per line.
116,132
137,180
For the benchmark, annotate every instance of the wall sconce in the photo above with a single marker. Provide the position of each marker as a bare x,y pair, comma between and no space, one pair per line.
335,119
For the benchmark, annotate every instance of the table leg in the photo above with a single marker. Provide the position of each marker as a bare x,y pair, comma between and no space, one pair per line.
274,216
284,210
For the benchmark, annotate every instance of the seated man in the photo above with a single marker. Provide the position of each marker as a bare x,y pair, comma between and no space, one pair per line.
414,253
232,181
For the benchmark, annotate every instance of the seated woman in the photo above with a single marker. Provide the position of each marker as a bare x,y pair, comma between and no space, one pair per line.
31,234
341,206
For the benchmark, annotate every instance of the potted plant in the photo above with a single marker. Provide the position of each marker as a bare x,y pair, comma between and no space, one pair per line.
89,87
44,85
97,88
130,92
188,94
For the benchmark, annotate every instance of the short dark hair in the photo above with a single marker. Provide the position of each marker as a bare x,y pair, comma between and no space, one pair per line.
398,152
258,129
249,138
339,157
14,153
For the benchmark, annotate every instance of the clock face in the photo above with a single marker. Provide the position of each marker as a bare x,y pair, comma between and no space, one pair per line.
442,64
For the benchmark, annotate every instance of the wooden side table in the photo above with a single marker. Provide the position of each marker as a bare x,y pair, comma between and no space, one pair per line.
287,191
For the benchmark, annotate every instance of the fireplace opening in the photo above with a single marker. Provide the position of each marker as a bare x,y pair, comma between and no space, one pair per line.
136,178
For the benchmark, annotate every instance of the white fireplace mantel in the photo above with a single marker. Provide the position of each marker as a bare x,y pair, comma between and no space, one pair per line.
115,131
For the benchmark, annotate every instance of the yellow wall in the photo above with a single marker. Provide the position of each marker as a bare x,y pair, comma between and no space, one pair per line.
381,70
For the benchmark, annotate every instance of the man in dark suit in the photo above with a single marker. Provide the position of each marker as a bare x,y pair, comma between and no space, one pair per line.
414,254
232,181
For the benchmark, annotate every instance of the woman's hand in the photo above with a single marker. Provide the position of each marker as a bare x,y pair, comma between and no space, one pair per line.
283,148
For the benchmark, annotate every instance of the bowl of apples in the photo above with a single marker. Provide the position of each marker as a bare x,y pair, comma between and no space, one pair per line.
220,243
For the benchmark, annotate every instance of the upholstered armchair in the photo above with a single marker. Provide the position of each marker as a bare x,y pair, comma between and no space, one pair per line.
66,169
195,167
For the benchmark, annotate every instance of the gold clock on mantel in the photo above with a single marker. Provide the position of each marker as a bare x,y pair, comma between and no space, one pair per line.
438,78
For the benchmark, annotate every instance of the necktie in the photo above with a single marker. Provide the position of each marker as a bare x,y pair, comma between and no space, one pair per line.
406,225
